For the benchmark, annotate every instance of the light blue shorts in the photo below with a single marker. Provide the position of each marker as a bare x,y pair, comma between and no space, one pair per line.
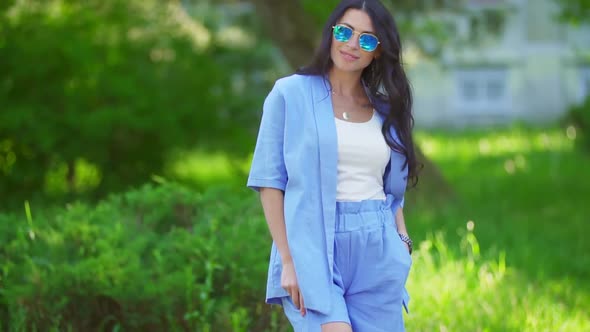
371,265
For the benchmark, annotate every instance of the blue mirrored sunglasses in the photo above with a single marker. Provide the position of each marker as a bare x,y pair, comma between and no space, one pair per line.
368,42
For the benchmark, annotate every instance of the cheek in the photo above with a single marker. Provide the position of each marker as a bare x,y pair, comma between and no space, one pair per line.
333,51
366,58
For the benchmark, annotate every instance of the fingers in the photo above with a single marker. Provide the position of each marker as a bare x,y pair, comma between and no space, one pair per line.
302,308
289,283
296,297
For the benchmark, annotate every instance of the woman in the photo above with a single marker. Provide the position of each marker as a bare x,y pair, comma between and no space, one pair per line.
332,160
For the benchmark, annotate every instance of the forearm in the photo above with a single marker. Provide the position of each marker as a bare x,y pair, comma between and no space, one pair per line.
400,221
401,229
273,205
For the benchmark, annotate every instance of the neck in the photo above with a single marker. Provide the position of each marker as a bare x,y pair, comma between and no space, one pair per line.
346,83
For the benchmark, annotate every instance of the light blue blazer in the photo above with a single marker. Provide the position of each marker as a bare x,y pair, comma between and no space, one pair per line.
297,152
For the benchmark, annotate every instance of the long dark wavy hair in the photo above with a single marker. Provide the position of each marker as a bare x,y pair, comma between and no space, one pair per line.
384,77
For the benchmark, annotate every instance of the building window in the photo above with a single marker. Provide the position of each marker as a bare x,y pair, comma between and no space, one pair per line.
482,90
486,19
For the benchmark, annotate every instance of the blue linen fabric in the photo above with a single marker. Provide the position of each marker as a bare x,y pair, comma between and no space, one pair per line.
371,265
296,151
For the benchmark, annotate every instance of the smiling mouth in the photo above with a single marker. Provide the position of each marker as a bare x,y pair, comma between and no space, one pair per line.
349,56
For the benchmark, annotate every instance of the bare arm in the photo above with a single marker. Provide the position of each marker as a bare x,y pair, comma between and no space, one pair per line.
400,221
273,205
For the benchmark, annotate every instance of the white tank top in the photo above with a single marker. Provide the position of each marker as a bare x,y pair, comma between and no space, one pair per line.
363,156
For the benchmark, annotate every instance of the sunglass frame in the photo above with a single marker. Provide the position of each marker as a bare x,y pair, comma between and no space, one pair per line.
353,32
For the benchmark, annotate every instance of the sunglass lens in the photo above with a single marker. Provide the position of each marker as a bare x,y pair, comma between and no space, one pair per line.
368,42
342,33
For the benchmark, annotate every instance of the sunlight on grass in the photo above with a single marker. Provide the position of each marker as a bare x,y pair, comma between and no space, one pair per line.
522,191
473,292
205,167
494,144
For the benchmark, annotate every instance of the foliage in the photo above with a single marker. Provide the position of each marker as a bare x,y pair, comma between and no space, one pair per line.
575,11
523,195
156,258
403,8
432,25
163,257
112,87
579,116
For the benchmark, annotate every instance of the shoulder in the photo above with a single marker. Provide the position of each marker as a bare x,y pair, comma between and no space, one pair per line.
288,90
295,83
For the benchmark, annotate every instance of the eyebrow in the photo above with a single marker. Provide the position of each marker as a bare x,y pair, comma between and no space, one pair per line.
350,26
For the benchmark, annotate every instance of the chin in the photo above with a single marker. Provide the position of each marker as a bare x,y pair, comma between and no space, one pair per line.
348,67
341,65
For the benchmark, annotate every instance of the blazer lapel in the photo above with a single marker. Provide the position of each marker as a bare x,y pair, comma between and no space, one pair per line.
326,129
328,157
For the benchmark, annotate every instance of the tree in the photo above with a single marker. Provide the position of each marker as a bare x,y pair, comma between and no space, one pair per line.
95,94
575,11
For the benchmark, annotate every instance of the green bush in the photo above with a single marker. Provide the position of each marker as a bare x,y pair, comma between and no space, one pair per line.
158,258
579,116
500,257
97,93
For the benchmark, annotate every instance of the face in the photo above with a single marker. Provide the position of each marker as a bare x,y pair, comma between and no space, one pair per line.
349,56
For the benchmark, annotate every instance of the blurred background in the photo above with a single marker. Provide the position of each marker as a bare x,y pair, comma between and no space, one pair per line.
127,129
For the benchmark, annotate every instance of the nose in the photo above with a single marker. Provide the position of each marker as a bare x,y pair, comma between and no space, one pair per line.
353,42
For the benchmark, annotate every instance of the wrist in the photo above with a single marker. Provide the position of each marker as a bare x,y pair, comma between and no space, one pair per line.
287,260
406,239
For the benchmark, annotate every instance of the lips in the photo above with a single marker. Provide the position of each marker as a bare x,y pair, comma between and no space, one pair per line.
348,56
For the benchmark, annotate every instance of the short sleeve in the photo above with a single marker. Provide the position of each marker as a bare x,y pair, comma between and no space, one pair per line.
268,166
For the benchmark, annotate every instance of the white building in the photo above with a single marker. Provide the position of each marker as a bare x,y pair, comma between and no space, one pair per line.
532,70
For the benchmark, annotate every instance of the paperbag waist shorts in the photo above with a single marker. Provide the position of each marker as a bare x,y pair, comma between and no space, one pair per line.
371,265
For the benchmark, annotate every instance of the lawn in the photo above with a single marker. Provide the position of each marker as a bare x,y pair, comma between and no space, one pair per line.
509,252
506,252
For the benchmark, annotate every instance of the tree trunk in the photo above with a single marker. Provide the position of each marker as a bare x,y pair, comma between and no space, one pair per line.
295,32
290,27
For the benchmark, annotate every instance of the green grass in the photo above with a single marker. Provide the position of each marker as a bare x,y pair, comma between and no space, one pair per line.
507,253
524,263
203,169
